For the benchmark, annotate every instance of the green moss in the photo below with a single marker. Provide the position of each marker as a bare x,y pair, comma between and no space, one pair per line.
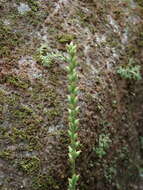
44,181
103,146
110,171
2,96
82,15
30,165
26,123
48,95
17,82
140,41
13,101
84,20
6,154
131,50
29,135
19,114
8,40
34,18
22,112
52,113
2,93
65,38
17,135
112,42
12,38
1,108
140,2
33,5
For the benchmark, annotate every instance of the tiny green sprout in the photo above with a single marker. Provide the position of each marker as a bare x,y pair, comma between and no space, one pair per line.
104,144
73,111
47,59
131,71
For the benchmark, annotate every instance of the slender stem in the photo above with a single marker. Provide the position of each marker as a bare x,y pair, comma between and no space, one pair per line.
73,110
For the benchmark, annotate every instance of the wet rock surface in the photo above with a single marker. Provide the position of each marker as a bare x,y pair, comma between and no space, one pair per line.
33,95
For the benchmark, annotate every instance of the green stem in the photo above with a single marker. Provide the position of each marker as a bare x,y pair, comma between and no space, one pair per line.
73,109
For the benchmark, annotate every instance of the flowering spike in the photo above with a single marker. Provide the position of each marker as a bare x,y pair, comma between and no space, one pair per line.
73,110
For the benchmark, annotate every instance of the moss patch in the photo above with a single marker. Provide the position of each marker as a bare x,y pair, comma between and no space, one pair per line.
44,182
65,38
30,165
9,39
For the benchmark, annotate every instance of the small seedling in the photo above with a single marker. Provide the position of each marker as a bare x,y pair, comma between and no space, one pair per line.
131,71
47,59
104,144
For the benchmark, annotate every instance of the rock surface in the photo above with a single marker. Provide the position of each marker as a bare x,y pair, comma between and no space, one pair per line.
33,95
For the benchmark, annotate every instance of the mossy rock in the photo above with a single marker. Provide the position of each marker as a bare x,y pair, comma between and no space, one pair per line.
30,165
45,182
8,40
140,2
65,38
29,109
16,82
